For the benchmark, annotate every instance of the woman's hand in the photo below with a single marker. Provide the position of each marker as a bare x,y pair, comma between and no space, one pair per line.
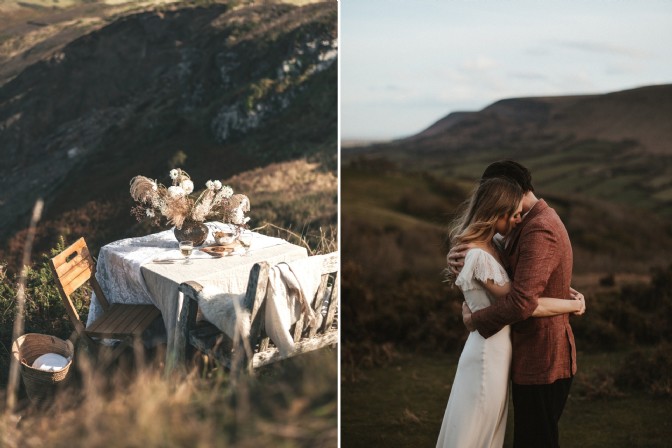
548,306
455,257
576,295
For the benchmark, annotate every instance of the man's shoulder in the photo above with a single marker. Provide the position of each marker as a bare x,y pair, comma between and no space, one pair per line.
546,222
544,216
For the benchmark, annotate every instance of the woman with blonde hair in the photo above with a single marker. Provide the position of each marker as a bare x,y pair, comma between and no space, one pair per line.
478,405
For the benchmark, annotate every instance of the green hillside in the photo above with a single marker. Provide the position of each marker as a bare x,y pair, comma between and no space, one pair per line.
607,236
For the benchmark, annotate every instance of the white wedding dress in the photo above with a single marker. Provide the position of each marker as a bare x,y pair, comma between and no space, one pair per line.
477,408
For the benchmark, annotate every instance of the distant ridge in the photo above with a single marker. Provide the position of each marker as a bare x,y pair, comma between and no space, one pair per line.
444,124
612,147
643,115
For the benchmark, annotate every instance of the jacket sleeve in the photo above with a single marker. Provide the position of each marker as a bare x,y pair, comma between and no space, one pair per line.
537,258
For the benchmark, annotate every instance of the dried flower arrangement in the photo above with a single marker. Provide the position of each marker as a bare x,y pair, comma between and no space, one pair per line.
216,202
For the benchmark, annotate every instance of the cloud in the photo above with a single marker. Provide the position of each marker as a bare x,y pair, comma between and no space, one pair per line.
603,49
577,81
480,63
619,69
528,76
537,51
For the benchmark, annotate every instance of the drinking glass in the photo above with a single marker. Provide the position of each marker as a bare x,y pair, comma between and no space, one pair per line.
245,240
186,247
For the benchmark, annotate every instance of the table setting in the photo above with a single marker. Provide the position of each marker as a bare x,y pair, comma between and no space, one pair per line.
221,253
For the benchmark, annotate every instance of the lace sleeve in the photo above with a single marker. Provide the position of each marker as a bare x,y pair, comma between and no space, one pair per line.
480,266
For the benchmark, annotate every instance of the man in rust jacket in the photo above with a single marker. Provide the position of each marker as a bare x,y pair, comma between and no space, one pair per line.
539,254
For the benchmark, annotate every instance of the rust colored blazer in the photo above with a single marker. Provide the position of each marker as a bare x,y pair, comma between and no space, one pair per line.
540,257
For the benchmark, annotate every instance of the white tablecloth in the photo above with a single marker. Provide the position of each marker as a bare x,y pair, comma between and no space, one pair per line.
134,271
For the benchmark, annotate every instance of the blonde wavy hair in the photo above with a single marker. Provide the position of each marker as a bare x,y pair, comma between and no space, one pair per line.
491,200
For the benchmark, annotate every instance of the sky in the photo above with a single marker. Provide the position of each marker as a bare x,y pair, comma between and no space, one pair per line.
404,64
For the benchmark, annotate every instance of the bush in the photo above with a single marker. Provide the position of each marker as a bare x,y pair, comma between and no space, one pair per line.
393,295
636,315
649,372
596,384
597,334
608,281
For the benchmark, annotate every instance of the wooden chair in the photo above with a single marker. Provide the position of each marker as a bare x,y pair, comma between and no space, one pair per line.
258,350
72,268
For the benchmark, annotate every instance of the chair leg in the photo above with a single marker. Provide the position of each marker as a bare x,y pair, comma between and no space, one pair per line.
107,356
101,356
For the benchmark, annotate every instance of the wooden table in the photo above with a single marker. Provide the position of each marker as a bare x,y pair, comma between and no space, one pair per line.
150,269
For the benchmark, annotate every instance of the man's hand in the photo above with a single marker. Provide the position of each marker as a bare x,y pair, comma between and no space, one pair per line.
576,295
455,258
466,317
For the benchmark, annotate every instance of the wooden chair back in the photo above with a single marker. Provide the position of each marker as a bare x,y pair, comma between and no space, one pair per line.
256,294
73,268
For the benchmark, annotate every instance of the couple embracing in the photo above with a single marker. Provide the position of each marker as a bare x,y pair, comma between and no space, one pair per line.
512,259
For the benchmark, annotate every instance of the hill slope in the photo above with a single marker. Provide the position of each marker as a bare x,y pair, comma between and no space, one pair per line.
640,116
216,90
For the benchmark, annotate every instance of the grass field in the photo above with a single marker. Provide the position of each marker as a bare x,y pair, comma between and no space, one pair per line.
406,200
402,405
292,404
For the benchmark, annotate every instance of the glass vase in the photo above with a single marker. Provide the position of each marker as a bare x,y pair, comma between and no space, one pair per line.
193,231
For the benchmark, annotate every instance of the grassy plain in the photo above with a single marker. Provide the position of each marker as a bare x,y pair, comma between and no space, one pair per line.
402,404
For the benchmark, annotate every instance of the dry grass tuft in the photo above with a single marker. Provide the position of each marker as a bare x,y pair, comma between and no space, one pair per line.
282,406
409,417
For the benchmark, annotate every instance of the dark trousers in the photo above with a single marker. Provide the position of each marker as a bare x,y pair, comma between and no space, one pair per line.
536,413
